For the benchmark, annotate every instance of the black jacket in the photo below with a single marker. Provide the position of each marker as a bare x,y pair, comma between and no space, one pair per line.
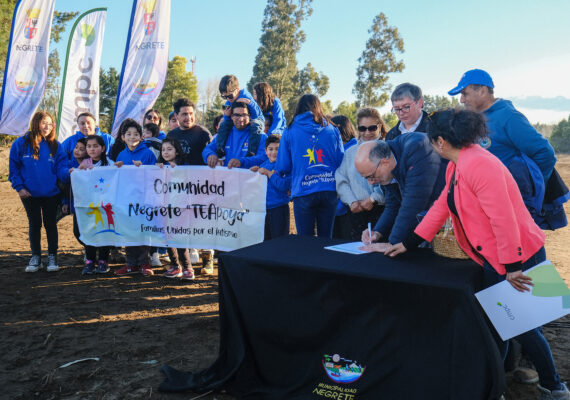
422,127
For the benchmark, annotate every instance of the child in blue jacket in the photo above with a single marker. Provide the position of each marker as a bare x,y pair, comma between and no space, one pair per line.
37,163
278,186
135,153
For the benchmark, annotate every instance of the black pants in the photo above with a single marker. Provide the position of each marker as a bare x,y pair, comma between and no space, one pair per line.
277,222
179,256
38,209
91,251
359,221
342,227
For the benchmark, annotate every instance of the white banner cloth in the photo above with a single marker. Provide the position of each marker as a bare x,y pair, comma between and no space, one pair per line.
80,83
146,60
182,207
26,65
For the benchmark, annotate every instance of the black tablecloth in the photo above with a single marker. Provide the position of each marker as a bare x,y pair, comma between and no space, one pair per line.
296,318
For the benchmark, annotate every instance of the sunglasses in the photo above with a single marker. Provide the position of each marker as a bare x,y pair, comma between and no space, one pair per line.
371,128
150,117
228,96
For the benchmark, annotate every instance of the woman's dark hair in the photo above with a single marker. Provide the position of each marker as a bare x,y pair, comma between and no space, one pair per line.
345,126
310,102
179,160
154,110
460,128
34,137
265,96
216,122
101,143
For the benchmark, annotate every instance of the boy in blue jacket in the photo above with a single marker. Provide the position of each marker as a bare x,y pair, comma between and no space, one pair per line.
277,218
87,126
136,153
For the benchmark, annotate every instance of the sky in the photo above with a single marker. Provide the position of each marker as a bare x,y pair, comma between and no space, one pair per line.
521,43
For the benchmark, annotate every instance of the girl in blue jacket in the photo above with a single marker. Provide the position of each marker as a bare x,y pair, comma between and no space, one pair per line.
311,150
271,106
37,162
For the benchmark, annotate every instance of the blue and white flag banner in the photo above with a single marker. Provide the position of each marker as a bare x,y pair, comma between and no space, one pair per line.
80,83
181,207
146,60
26,65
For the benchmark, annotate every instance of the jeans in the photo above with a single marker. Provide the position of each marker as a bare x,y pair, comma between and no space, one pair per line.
319,207
277,222
38,208
533,341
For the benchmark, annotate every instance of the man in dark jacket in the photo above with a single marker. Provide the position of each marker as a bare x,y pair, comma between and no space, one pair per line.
407,103
409,170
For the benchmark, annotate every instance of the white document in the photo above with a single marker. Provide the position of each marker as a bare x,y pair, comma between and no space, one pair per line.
513,312
350,248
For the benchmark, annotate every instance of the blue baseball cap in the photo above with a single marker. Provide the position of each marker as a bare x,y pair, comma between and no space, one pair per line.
170,115
472,77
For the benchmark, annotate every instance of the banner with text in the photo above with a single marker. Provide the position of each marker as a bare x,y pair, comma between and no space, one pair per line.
80,87
26,65
146,60
182,207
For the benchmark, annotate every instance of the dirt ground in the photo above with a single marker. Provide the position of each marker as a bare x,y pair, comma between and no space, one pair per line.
133,324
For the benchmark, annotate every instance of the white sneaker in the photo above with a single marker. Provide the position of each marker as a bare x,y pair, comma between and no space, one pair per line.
34,264
164,257
561,394
52,263
194,256
155,260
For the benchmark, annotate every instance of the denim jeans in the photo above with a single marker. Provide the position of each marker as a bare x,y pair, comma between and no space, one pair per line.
319,207
533,341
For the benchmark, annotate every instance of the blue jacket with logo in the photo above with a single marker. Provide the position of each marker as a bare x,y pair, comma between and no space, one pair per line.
254,109
39,177
510,134
419,176
278,187
140,153
70,143
237,147
310,153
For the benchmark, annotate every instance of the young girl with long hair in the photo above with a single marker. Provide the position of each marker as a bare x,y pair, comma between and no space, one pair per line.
271,106
37,162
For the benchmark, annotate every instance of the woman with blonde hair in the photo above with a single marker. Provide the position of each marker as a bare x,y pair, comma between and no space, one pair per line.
37,163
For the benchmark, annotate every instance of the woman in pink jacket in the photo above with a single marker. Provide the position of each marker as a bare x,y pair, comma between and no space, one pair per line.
490,221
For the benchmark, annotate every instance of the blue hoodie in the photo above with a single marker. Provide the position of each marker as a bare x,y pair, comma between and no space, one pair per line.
237,147
254,110
279,123
278,187
311,153
140,153
510,134
69,143
39,177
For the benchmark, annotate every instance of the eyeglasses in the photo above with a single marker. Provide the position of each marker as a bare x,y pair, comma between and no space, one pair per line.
371,128
227,96
238,116
373,176
398,110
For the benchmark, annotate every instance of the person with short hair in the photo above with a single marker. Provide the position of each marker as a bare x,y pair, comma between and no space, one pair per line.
408,168
87,126
490,221
153,116
407,104
278,186
216,123
271,107
172,121
364,201
311,150
150,138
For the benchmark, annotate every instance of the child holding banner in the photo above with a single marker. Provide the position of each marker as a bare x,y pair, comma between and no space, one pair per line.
135,153
96,152
278,187
172,155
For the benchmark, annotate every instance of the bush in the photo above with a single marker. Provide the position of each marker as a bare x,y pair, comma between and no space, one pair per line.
560,138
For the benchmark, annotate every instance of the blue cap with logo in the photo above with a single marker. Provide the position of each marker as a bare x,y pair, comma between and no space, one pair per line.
472,77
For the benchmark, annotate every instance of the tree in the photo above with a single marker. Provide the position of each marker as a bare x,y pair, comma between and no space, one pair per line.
6,13
214,110
560,138
108,87
178,83
377,61
390,119
433,103
276,60
348,110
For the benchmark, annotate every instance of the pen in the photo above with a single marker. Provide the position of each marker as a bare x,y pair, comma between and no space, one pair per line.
369,234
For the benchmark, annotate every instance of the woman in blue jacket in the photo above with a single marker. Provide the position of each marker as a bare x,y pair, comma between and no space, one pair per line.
37,162
311,150
270,105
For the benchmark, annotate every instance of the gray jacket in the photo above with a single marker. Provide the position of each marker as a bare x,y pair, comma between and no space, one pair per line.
350,185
